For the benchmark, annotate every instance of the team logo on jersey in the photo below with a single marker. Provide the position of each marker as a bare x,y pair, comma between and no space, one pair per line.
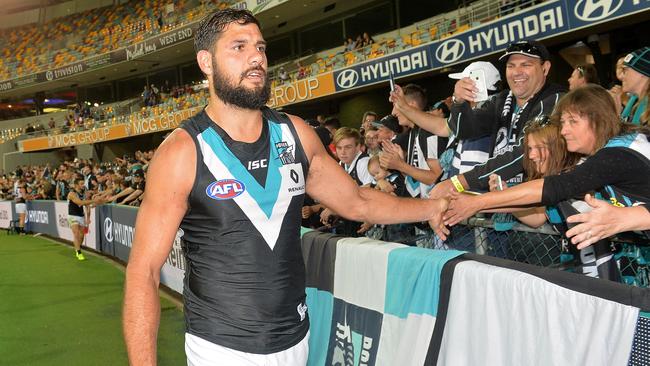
225,189
302,311
285,153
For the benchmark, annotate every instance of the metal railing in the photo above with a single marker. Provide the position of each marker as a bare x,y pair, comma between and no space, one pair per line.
542,246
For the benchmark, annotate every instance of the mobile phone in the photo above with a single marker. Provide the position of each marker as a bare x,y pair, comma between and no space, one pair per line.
499,183
478,77
391,80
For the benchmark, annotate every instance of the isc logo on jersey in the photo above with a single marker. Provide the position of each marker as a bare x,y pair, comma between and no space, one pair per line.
225,189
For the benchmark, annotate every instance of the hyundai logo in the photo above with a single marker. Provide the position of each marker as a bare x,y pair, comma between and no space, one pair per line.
593,10
347,79
108,229
450,51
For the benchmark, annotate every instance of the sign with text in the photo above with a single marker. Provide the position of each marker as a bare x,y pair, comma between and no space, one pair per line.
549,19
107,133
154,44
95,135
301,90
160,123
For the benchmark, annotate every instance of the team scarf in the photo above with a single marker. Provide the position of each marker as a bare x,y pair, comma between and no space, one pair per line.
627,116
509,119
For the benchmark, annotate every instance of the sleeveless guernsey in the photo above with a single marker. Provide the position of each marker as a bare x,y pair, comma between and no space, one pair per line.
244,286
74,209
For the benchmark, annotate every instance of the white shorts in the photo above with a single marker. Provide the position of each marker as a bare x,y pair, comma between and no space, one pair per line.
205,353
76,220
21,208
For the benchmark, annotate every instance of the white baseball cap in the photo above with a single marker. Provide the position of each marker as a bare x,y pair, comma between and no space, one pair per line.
492,76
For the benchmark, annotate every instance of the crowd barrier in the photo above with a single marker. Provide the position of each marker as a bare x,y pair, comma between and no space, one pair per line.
542,246
377,303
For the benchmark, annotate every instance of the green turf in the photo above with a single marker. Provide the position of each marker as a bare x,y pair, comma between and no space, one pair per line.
55,310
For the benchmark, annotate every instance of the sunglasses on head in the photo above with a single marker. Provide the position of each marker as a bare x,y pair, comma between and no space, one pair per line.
542,120
524,47
581,70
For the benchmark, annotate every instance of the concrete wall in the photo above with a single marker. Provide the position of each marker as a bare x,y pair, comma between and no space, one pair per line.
352,108
13,159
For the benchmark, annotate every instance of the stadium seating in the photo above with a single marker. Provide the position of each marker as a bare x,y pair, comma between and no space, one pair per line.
30,49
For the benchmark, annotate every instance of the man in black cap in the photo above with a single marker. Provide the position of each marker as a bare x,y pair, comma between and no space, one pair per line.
387,128
503,117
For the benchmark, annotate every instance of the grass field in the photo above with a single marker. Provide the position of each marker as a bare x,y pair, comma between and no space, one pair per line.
55,310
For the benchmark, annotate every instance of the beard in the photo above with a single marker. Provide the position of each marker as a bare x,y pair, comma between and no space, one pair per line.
240,96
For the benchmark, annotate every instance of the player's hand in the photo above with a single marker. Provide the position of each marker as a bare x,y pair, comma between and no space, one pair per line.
437,222
465,90
461,207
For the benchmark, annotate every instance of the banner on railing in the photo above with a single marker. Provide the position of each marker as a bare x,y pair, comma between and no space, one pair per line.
63,227
373,302
7,214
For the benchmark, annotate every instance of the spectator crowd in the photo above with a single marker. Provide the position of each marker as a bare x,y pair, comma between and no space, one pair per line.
120,181
529,151
523,148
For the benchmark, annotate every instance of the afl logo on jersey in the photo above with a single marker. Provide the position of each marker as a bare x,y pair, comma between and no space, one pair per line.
225,189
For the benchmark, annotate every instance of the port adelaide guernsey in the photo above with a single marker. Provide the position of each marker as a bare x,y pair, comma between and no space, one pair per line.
244,286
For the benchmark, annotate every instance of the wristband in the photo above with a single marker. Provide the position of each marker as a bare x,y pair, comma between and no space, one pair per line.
457,184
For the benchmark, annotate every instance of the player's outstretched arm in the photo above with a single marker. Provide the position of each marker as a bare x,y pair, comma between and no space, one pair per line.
169,182
330,185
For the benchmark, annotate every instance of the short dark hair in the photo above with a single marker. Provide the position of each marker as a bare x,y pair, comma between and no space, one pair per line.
212,25
332,122
417,94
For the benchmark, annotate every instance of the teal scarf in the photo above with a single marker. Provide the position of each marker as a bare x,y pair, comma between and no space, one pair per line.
636,119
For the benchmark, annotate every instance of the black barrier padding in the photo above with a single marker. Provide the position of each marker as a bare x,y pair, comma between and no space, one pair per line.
319,254
623,294
105,242
123,230
640,355
446,279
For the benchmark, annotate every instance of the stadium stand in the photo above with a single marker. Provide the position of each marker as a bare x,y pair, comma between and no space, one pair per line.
105,30
29,49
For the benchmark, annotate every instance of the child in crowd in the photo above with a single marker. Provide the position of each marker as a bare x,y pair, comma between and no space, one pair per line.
386,181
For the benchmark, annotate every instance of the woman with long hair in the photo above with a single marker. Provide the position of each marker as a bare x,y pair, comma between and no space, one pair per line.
545,154
617,167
